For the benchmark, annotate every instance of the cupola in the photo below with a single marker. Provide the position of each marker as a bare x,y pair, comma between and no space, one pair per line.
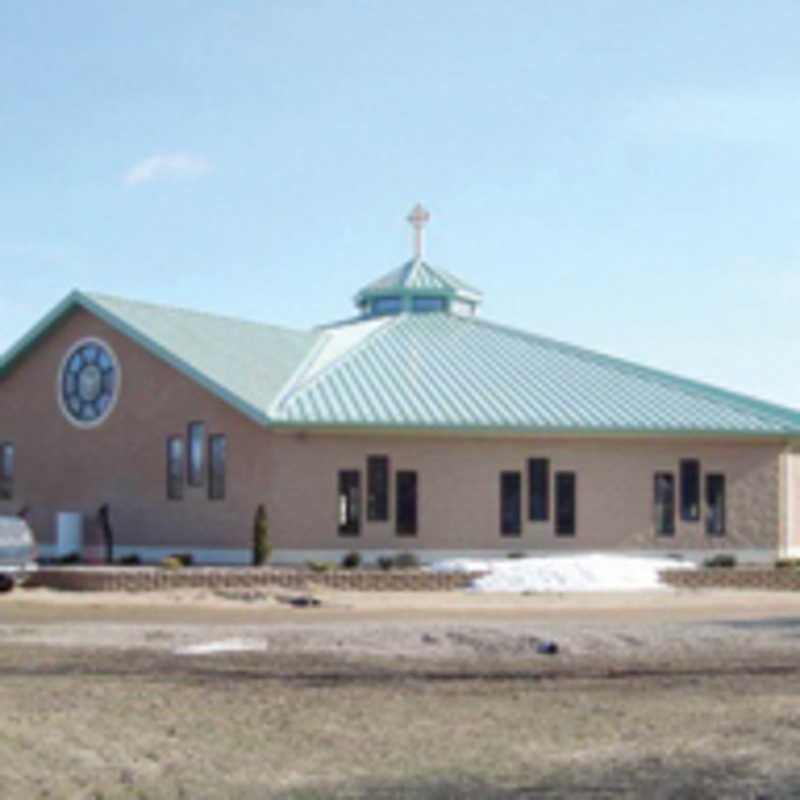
417,287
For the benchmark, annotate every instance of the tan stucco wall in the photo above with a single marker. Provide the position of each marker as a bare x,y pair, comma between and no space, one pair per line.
459,491
793,498
122,462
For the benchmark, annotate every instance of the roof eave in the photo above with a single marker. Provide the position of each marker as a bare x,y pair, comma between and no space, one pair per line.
532,431
28,341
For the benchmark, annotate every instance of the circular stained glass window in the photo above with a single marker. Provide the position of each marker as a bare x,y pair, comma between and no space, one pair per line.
88,382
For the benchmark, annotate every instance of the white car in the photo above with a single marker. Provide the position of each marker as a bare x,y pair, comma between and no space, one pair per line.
17,552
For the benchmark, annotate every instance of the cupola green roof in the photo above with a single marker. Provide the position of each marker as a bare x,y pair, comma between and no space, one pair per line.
417,278
417,286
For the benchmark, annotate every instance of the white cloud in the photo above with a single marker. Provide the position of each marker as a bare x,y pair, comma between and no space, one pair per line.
167,165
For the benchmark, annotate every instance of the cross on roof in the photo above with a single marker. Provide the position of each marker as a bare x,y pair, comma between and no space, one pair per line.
418,218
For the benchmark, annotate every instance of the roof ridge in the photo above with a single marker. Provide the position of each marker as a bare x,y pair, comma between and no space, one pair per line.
296,384
689,385
453,280
294,381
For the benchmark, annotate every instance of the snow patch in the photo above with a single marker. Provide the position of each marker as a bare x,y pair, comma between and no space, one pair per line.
221,646
592,572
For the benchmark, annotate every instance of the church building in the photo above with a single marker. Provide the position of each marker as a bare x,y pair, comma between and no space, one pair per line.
416,425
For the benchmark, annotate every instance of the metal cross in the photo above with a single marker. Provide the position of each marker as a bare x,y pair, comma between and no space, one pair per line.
418,218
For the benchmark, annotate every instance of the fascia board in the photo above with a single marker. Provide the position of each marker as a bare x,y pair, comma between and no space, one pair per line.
533,432
42,327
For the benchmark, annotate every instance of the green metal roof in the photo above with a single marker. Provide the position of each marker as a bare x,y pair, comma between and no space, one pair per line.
244,363
447,371
418,277
431,371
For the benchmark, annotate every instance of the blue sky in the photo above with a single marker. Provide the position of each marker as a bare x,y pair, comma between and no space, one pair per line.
620,175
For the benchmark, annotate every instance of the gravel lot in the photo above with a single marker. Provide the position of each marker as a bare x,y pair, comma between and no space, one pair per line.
195,694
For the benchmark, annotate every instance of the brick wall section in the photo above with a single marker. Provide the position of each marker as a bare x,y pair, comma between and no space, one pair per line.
147,579
766,579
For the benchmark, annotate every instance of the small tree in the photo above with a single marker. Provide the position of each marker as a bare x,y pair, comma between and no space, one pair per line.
261,543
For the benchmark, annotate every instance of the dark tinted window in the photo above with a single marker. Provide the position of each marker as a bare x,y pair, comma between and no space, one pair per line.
510,504
175,462
377,488
406,516
387,305
217,456
428,304
715,504
538,489
690,489
349,501
664,503
565,503
7,454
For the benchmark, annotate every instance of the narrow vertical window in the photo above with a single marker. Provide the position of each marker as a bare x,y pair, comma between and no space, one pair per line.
175,462
538,491
378,488
349,502
690,489
6,471
406,503
715,504
197,453
664,503
510,504
217,447
565,503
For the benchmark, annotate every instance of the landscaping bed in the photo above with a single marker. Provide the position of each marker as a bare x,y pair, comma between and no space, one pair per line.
766,578
144,579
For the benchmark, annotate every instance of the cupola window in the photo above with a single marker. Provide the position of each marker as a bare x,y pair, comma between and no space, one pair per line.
387,305
429,303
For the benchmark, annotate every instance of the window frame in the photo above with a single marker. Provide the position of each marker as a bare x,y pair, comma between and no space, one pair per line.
175,477
7,476
348,524
659,502
564,479
720,478
510,503
539,480
217,484
689,489
196,432
406,524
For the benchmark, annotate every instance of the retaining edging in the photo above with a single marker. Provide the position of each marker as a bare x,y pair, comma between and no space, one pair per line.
148,579
770,579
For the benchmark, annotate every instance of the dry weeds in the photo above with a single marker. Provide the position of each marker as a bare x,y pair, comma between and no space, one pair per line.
105,723
326,713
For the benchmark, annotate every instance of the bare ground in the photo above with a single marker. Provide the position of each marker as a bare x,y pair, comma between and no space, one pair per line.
400,696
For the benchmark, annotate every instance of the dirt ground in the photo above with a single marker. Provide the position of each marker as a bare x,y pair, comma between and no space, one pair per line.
424,695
